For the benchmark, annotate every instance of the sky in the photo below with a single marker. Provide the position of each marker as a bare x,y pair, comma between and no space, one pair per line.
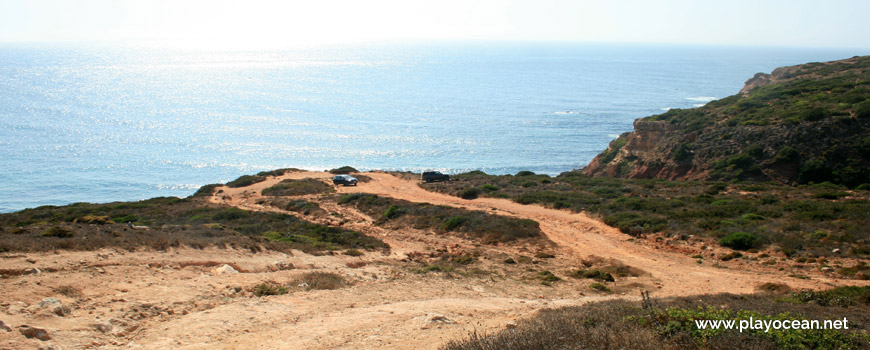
288,23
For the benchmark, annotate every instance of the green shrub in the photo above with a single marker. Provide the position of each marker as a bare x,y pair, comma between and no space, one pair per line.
353,252
290,187
246,180
787,154
393,211
206,190
525,173
452,223
613,150
600,287
751,216
739,241
731,256
343,170
489,187
862,110
595,274
547,277
269,288
469,193
682,153
57,232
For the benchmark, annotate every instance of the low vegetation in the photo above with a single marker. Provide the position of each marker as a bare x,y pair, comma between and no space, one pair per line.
670,324
290,187
320,281
477,225
269,288
343,170
801,125
161,223
296,205
247,180
808,220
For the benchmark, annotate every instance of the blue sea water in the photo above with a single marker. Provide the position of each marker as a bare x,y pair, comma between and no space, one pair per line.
101,124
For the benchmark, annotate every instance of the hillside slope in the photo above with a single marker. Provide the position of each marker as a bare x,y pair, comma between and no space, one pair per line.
799,124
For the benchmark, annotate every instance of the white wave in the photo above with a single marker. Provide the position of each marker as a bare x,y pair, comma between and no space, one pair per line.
666,109
702,98
699,104
566,112
177,186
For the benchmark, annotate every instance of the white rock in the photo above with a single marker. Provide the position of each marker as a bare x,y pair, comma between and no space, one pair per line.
224,269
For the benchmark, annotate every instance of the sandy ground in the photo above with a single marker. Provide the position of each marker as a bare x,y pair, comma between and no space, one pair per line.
178,299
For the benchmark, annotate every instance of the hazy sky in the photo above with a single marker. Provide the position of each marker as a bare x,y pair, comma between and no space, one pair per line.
252,23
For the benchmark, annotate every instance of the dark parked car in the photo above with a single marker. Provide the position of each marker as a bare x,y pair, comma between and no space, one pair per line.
430,176
346,180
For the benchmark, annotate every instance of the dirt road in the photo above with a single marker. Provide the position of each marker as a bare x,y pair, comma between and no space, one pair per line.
185,299
575,233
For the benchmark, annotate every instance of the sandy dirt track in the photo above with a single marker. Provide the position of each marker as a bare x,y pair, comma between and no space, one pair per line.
177,299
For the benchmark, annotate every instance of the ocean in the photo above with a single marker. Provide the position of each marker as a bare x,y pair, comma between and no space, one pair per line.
100,123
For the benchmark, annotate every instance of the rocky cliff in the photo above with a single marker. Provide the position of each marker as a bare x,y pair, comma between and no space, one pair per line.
799,124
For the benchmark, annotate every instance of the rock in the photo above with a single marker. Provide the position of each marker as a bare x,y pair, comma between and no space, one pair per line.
224,269
55,306
4,327
123,327
836,250
280,266
17,307
33,332
435,319
861,276
32,271
103,327
510,324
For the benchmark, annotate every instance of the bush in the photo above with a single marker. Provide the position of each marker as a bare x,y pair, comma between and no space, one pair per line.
489,188
343,170
452,223
593,274
290,187
57,232
269,288
731,256
547,277
393,211
600,287
525,173
95,219
246,180
206,190
353,252
668,324
469,193
862,110
739,241
321,281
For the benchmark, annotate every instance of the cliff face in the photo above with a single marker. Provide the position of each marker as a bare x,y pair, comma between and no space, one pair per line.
798,124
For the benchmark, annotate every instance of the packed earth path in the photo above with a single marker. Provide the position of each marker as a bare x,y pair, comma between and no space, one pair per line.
203,298
574,233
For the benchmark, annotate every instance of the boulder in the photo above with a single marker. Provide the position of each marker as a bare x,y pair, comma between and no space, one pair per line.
224,269
55,306
33,332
